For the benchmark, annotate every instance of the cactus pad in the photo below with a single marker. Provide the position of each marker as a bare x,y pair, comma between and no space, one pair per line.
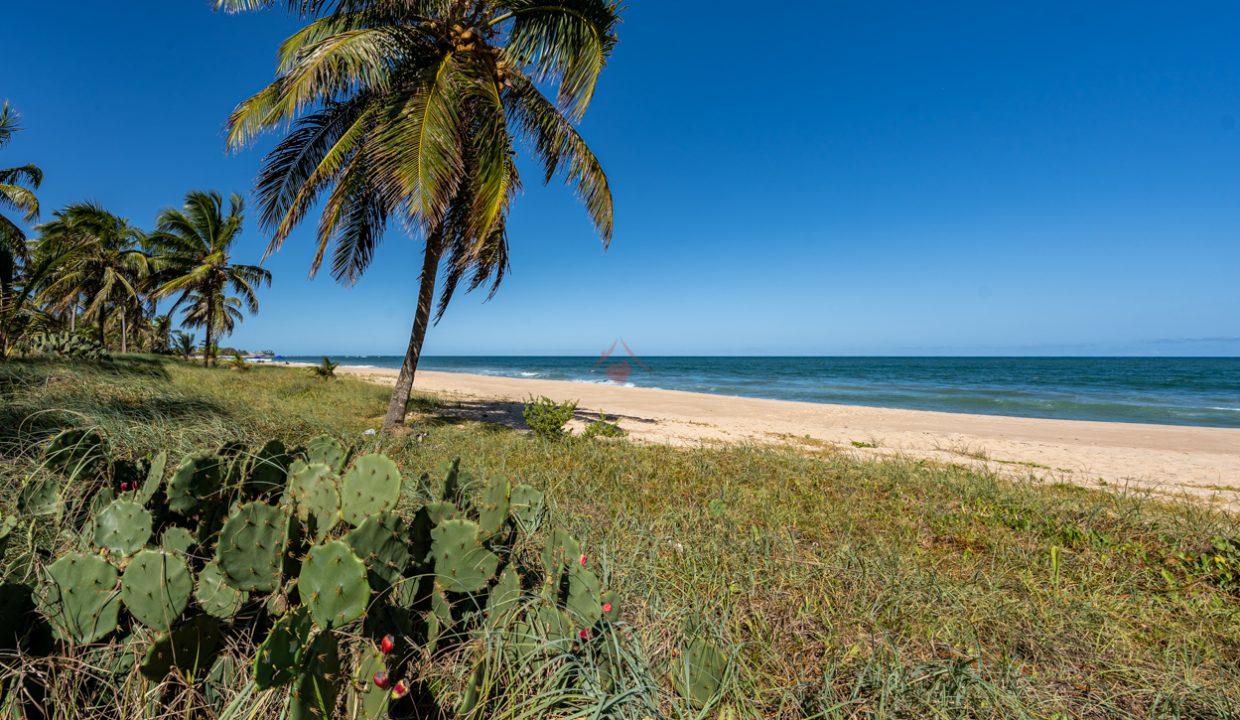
312,492
280,655
215,596
368,701
156,587
154,478
313,697
699,673
440,511
77,454
177,540
561,552
267,470
526,507
333,585
80,598
197,478
492,507
462,564
188,648
327,450
584,600
378,543
505,597
122,527
372,485
251,547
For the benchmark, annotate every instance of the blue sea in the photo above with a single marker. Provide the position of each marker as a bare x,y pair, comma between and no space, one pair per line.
1172,391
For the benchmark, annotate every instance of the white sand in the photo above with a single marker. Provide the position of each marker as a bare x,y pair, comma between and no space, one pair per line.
1169,460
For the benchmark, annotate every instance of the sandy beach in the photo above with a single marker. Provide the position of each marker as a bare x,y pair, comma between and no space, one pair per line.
1177,461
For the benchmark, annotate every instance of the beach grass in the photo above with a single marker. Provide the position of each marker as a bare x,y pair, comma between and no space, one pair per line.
845,587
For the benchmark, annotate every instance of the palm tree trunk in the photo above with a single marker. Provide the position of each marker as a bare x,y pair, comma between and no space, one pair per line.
103,320
421,319
206,349
124,333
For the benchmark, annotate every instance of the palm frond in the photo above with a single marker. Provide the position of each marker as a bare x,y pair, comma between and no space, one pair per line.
567,42
562,150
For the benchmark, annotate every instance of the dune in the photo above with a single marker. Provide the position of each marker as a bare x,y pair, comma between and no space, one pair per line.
1198,462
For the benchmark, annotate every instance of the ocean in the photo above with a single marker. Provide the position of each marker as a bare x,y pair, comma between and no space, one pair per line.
1171,391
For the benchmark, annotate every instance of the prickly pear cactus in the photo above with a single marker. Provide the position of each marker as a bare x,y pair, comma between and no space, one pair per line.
462,564
251,547
267,470
156,588
313,696
492,507
177,540
80,598
197,478
123,527
280,655
438,512
372,485
698,674
313,495
154,479
215,596
367,700
584,601
327,450
526,507
333,585
77,453
379,544
561,553
189,648
505,598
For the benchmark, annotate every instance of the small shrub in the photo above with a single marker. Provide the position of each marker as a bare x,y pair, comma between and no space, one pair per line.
603,428
238,362
1218,566
547,418
325,370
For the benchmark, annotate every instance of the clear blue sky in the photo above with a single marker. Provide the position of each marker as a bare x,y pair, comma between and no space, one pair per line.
834,178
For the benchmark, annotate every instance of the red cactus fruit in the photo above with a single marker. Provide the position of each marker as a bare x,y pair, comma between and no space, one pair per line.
583,560
584,634
400,690
381,680
606,607
387,644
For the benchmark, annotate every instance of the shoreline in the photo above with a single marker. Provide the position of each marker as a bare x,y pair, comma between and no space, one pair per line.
1170,460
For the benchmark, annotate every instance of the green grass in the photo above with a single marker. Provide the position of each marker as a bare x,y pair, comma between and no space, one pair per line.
848,587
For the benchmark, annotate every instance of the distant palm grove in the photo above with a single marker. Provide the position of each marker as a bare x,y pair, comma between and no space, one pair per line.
88,281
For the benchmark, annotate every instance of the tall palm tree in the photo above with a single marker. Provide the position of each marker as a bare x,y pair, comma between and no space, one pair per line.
17,186
411,109
100,264
194,246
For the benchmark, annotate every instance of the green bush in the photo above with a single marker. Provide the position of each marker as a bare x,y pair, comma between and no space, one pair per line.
547,418
604,428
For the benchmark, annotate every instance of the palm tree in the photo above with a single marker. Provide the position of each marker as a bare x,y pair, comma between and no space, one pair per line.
194,245
100,263
183,344
17,186
410,109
